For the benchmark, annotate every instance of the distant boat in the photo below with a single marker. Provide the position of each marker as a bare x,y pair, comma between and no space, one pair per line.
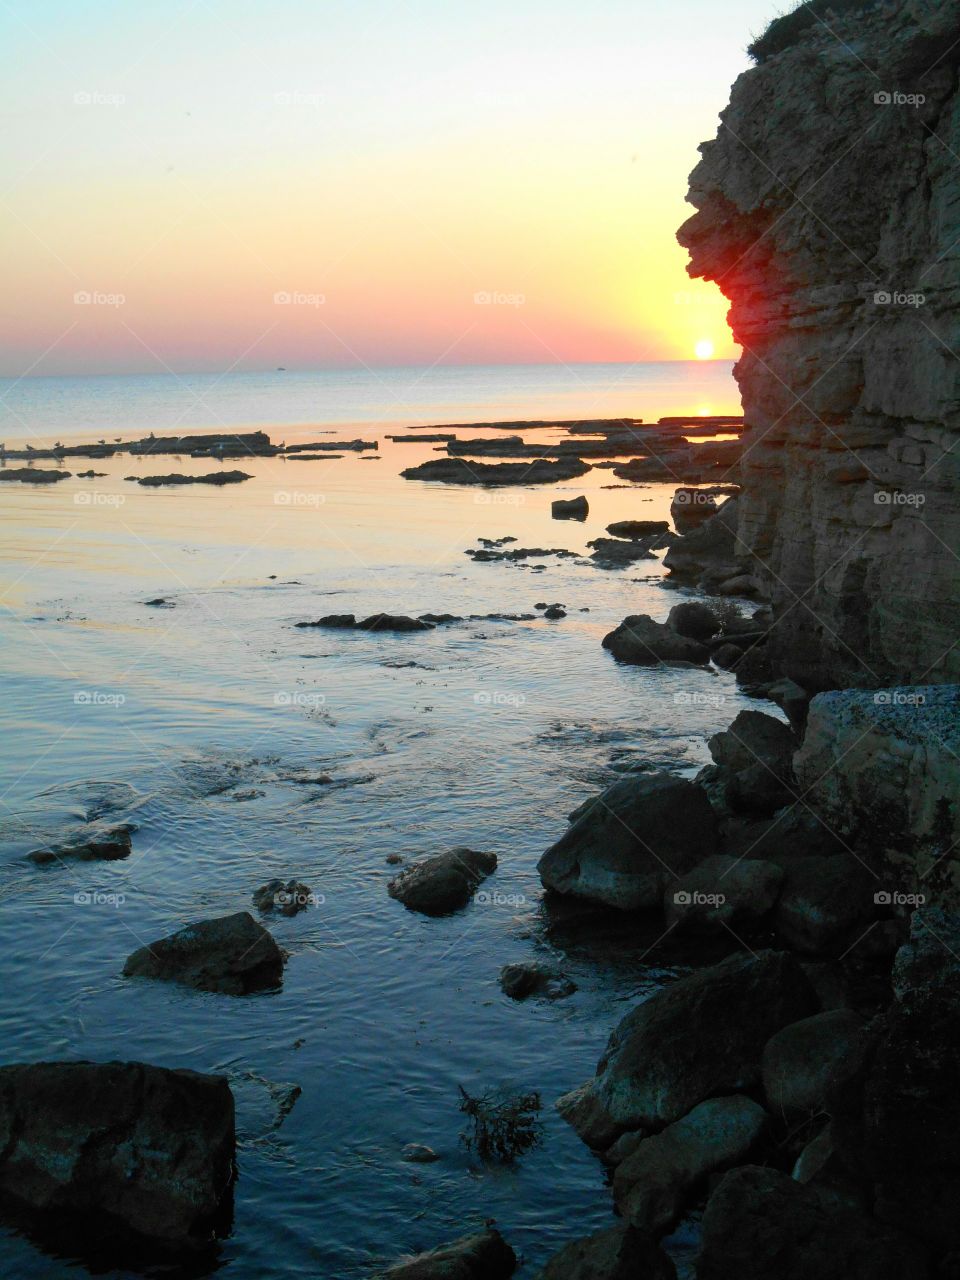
281,369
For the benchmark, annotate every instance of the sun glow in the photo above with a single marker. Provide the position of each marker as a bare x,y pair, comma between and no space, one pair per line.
704,349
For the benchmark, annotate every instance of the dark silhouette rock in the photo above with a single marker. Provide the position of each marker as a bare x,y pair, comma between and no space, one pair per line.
231,954
626,845
145,1146
641,641
444,883
618,1253
484,1256
570,509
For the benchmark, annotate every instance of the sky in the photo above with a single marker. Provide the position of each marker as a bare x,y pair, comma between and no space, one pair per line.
224,184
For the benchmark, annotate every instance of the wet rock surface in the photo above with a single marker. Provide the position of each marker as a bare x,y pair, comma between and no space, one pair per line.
484,1256
521,981
444,883
626,845
177,478
147,1147
233,955
96,842
642,641
618,1253
460,471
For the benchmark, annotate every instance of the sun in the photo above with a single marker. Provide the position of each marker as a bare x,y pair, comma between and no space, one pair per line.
704,349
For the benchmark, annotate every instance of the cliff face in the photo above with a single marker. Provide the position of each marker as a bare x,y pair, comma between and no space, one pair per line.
828,211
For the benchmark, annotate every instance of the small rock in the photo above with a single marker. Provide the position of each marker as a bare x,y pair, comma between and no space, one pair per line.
444,883
284,898
555,611
231,954
637,528
417,1153
90,844
485,1256
518,981
393,622
693,619
570,509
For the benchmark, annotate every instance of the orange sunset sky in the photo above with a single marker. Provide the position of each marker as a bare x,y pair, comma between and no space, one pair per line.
216,185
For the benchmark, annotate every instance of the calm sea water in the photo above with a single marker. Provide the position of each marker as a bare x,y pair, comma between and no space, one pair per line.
208,721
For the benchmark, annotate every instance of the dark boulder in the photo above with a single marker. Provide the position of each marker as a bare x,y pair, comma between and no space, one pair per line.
393,622
826,904
641,641
141,1145
807,1064
693,619
760,1224
618,1253
699,1037
626,845
97,842
284,897
755,756
484,1256
637,528
724,893
570,509
518,981
231,954
444,883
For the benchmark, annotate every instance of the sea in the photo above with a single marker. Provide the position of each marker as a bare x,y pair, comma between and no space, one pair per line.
245,748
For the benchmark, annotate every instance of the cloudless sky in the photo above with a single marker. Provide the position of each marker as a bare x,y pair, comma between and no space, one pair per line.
462,182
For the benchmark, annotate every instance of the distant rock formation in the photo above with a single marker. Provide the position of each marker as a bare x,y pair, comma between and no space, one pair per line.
827,212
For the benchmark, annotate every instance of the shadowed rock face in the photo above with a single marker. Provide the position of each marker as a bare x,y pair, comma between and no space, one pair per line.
829,219
137,1144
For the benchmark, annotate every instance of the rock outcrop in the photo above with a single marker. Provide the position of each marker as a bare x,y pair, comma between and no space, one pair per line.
827,214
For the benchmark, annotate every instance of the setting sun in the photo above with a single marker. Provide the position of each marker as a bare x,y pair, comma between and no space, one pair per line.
704,349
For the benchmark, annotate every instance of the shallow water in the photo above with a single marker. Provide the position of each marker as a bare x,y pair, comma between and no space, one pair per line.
211,716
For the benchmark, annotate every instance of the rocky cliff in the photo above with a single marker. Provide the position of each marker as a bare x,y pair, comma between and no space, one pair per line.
828,212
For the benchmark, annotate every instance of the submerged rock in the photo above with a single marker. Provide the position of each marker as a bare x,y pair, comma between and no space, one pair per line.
460,471
518,981
96,842
231,954
444,883
286,898
641,641
619,1253
212,477
570,509
33,475
626,845
759,1224
699,1037
655,1183
141,1145
484,1256
418,1153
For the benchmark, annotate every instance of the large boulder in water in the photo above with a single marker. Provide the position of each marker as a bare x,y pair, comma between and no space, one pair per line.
232,954
484,1256
700,1037
619,1253
145,1146
626,845
442,884
643,642
759,1224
